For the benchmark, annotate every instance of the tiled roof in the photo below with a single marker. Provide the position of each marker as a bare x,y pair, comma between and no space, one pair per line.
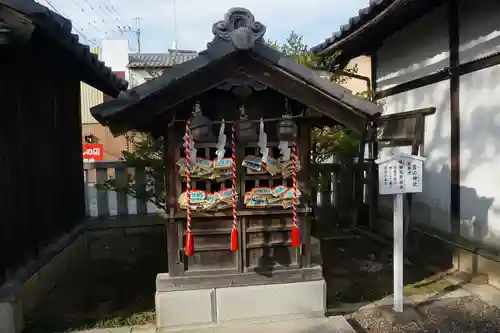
59,29
160,60
380,19
364,15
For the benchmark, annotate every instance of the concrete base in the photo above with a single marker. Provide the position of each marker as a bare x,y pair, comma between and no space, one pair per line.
214,306
23,291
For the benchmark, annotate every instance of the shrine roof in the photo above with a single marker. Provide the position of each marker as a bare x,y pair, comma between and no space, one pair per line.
238,48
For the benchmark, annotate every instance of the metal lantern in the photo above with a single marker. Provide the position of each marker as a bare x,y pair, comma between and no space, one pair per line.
200,126
246,129
287,129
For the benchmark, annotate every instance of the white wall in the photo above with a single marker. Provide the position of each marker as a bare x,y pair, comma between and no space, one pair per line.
139,76
421,49
418,50
405,56
115,55
479,29
480,123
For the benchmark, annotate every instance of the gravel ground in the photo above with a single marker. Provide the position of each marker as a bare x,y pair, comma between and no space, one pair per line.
453,315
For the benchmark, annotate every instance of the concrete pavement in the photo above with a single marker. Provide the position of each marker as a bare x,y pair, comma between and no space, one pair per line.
335,324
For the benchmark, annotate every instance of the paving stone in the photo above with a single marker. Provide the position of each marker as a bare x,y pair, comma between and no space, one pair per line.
150,328
318,325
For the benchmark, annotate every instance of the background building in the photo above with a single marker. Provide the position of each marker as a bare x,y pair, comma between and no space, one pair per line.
136,68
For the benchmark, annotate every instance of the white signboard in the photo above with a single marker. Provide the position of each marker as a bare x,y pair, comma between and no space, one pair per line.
400,173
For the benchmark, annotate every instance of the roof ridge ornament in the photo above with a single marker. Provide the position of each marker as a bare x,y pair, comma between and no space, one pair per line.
240,28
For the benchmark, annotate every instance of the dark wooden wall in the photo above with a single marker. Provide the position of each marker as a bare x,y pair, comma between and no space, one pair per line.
41,167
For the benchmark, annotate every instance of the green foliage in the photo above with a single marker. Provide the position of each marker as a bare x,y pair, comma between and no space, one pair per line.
327,141
333,141
146,158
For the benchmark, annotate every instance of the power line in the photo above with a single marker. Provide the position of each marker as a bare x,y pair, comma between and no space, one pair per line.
103,20
75,27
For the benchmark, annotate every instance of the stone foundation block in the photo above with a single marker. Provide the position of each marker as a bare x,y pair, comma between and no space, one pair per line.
306,299
185,308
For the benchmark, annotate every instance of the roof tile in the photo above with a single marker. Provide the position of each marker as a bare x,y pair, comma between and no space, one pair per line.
160,60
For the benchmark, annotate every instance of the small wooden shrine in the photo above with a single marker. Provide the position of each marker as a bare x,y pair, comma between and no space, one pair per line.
237,124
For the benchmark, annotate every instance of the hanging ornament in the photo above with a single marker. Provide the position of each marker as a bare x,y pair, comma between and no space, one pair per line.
287,131
234,231
200,126
189,243
287,128
284,148
262,144
246,129
295,228
221,142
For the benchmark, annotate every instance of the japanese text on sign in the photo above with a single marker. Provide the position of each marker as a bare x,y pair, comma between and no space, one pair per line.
93,152
400,174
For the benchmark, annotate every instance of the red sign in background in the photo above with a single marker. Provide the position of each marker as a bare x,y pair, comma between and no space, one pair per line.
93,152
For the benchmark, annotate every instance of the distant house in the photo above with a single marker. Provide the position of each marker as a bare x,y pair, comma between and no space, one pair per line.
443,54
137,68
359,83
146,66
92,131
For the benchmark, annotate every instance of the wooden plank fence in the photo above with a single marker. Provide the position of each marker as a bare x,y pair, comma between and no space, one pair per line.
333,195
103,203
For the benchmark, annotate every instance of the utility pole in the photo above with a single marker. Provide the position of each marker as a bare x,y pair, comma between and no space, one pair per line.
174,21
138,32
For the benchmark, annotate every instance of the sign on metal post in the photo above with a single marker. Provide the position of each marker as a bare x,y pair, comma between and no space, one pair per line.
399,174
93,152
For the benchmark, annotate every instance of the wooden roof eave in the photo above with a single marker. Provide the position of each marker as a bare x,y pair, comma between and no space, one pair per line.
152,88
289,85
220,62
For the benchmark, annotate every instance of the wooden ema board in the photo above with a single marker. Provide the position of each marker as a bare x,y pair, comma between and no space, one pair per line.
265,233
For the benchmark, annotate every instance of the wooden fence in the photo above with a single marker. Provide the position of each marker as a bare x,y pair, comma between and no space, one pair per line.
333,196
339,193
100,202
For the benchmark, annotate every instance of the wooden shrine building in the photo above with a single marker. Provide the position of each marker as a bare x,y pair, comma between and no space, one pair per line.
257,259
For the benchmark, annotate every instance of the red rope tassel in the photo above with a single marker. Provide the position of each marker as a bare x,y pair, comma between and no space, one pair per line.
234,232
189,249
189,244
295,227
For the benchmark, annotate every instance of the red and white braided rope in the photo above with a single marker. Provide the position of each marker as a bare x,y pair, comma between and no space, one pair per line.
188,177
233,176
294,181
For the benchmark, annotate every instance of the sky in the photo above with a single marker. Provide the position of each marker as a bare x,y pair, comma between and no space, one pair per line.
95,20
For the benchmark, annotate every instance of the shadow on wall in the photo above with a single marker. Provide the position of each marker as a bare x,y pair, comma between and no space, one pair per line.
430,207
474,223
411,55
480,149
479,155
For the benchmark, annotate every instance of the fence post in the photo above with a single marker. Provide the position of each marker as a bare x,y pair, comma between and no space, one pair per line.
140,190
159,187
121,176
102,194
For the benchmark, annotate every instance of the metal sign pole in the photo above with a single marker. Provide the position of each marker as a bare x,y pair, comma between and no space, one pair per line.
399,174
398,252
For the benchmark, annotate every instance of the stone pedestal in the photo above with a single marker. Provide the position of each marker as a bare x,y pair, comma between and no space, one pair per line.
183,302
